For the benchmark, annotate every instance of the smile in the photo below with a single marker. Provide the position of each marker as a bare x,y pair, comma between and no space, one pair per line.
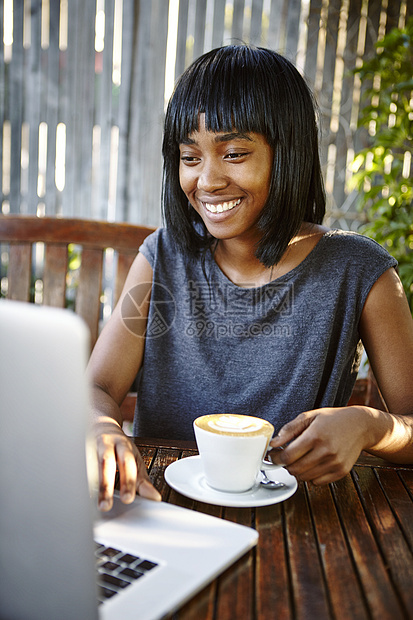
222,206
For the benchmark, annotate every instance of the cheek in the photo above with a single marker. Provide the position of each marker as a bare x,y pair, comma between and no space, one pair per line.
184,181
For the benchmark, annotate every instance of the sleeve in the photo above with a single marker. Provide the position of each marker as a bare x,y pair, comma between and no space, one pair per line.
374,260
150,245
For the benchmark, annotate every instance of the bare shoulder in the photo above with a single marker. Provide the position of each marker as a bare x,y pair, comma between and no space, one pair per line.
386,295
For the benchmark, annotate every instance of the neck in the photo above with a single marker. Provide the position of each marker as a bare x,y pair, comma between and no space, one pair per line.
238,262
236,257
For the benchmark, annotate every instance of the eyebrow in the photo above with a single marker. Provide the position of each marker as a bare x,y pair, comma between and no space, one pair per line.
226,137
235,135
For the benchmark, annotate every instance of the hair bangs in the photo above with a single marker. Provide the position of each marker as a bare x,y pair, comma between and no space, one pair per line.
228,90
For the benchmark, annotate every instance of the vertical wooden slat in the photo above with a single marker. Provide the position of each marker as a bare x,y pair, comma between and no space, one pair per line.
32,102
129,27
361,138
54,275
85,102
393,13
145,137
103,117
16,106
256,22
181,37
275,24
19,271
238,22
67,107
218,23
89,290
344,139
79,107
293,24
50,111
2,104
199,37
325,95
313,24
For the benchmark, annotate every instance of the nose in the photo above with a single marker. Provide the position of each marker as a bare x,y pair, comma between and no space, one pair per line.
211,176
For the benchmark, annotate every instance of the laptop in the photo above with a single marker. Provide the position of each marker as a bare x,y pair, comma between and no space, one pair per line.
59,558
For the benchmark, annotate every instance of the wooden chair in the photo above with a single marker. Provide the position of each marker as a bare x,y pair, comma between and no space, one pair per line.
92,240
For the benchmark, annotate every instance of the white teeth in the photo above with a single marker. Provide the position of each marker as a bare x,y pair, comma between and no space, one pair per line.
224,206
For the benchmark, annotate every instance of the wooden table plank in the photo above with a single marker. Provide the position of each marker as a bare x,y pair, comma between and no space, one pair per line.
407,477
377,587
393,545
147,454
273,589
400,501
236,585
342,582
310,598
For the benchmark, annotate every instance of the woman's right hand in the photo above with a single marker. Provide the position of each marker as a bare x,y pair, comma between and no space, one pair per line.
116,451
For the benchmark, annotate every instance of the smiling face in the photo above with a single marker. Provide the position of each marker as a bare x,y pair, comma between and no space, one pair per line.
226,178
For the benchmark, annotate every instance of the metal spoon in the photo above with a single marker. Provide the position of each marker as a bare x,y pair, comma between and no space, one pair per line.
270,484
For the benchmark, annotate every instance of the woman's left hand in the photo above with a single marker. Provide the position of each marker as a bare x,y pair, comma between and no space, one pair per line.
322,445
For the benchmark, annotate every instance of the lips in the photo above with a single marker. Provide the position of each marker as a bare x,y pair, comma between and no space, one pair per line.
222,206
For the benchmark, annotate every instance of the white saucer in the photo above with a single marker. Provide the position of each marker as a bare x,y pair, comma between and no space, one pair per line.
187,477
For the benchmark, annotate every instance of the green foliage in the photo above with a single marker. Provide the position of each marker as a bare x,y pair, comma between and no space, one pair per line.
382,170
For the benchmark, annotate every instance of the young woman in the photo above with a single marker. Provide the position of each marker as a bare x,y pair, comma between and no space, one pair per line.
245,302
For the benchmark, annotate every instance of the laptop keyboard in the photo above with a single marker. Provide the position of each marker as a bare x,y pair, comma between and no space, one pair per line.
117,570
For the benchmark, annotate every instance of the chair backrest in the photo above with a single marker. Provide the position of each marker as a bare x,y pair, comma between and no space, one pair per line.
91,241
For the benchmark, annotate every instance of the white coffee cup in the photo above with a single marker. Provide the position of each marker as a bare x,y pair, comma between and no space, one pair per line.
232,448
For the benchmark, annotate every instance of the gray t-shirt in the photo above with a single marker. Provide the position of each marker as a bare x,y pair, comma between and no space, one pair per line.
274,351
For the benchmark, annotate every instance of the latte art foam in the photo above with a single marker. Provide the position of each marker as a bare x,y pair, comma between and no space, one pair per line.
235,425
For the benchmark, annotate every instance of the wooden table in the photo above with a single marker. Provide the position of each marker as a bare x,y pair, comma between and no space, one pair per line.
342,551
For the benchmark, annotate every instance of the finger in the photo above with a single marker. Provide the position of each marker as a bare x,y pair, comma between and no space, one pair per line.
127,473
143,485
146,489
295,452
318,467
291,430
133,475
107,473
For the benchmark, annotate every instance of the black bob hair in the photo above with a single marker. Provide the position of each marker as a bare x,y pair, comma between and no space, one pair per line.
249,89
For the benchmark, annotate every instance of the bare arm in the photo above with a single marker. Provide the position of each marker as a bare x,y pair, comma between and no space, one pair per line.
113,366
324,444
386,328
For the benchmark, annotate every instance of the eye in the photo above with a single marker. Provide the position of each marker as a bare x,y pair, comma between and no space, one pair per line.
235,155
189,159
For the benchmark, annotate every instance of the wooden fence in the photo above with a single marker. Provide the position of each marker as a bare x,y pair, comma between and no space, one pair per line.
83,85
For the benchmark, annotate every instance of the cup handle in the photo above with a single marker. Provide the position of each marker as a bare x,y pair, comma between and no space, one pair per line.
269,465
